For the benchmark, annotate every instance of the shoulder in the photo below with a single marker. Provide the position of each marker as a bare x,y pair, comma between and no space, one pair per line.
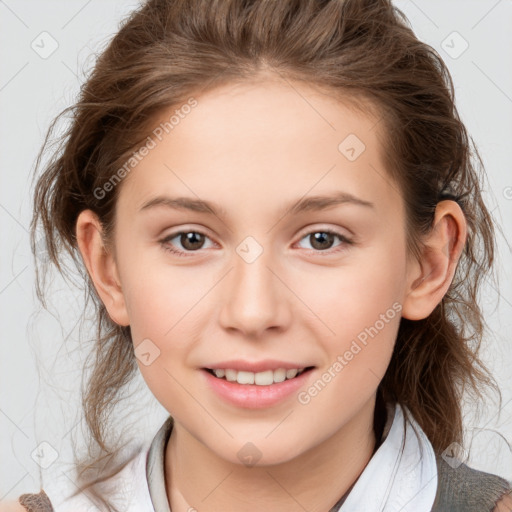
504,504
31,502
12,506
462,488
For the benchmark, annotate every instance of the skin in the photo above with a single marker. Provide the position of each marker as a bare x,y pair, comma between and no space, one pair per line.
254,148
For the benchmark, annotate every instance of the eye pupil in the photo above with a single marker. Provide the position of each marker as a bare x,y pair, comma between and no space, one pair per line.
320,238
192,237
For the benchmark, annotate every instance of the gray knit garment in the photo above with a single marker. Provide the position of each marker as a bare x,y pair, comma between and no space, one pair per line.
464,489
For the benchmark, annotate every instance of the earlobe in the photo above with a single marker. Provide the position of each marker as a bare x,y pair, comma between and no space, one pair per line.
101,266
430,278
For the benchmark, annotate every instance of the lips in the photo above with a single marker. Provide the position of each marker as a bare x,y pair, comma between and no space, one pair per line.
252,396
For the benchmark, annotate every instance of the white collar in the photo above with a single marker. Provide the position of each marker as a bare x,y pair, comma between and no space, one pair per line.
401,475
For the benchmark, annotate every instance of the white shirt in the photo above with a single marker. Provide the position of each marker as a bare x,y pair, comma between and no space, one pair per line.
401,476
395,479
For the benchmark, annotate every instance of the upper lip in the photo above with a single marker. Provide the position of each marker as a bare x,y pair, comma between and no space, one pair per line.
256,366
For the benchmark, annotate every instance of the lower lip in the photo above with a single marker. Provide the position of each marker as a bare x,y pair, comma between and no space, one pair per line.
252,396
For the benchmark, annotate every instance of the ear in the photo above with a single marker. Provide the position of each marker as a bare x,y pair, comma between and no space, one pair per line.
429,278
101,265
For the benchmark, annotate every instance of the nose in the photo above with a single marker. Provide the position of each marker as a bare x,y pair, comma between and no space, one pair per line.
255,297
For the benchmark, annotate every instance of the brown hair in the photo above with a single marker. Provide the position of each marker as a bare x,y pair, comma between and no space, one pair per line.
361,50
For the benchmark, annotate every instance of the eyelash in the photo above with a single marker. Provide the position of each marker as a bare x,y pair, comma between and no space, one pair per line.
345,241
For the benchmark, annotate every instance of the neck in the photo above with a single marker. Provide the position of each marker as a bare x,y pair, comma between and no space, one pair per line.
198,479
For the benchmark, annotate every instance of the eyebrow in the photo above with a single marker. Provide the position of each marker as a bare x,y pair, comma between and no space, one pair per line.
311,203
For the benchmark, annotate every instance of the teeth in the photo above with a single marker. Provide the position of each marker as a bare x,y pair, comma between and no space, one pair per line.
261,378
292,373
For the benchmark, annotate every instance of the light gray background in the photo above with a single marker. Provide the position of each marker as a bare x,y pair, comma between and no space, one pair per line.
41,358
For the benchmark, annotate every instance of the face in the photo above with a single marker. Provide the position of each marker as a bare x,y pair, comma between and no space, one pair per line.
258,278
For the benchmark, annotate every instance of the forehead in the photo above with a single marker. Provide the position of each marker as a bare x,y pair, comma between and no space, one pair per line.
264,142
271,114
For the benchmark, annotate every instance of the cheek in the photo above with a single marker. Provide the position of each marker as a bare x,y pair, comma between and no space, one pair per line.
358,311
164,310
353,296
159,296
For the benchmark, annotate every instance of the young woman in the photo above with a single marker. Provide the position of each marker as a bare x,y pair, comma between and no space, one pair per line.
279,216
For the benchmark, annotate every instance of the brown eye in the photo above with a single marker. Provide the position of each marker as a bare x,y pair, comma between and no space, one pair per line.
190,241
322,240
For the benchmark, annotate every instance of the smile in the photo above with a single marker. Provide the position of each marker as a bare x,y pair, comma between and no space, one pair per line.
261,391
265,378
